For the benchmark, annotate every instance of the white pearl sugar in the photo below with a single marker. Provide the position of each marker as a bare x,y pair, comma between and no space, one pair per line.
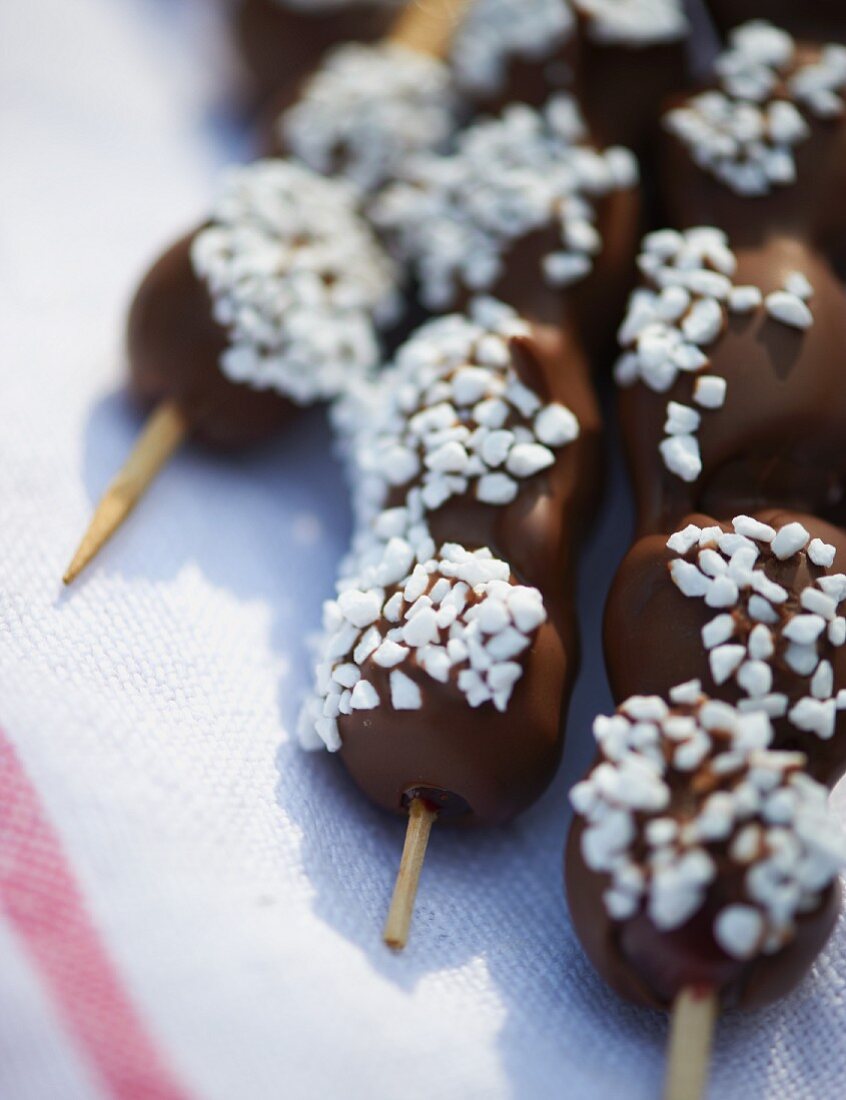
296,278
656,831
744,131
456,218
680,312
730,575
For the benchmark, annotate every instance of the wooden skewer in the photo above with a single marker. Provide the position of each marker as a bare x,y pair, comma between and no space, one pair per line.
428,26
162,434
691,1033
421,817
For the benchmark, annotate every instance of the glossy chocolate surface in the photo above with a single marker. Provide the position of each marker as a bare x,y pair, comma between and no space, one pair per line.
489,765
624,87
478,766
811,209
174,347
653,635
778,439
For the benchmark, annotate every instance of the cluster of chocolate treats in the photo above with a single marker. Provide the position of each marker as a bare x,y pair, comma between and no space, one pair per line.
450,647
621,59
291,290
700,856
474,459
702,853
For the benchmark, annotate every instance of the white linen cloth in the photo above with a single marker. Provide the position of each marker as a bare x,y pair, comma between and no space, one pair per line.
239,885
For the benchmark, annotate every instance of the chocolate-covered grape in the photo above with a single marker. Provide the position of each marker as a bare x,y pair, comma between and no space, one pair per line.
698,857
761,152
525,209
751,608
366,111
730,396
270,305
174,347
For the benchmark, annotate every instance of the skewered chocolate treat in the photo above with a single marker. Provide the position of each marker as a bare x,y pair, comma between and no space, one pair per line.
475,468
479,744
754,610
366,111
450,649
625,55
700,858
280,41
525,210
271,305
822,20
762,152
730,399
369,109
701,868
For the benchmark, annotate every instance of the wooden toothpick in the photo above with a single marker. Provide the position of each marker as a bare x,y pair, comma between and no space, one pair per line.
691,1033
428,26
162,434
421,817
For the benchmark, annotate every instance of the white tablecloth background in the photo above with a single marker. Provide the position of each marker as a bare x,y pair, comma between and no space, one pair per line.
237,884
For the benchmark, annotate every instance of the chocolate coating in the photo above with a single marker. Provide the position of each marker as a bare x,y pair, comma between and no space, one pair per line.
478,766
620,87
777,440
538,533
280,46
602,294
811,209
653,635
482,766
651,967
823,20
585,306
624,87
174,347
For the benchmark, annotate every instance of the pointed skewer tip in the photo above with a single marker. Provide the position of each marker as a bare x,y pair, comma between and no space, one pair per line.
162,434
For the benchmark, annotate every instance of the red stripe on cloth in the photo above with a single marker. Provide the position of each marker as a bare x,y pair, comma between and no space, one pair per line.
43,903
